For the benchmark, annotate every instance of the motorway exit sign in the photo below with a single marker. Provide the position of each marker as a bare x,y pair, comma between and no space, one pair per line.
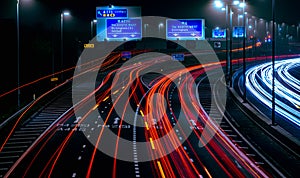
219,33
185,29
111,13
124,28
238,32
178,56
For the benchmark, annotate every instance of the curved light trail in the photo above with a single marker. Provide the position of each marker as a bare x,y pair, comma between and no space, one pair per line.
287,87
226,155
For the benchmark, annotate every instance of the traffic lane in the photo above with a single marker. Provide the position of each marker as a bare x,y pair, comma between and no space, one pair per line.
283,153
216,159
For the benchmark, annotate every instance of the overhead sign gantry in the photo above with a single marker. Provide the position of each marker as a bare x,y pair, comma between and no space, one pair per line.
185,29
118,23
219,33
238,32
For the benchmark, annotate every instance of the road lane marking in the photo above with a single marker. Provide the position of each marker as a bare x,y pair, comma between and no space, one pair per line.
95,107
115,92
146,124
161,169
152,144
105,98
142,113
207,172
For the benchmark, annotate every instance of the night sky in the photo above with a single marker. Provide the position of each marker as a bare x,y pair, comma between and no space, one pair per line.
40,28
35,11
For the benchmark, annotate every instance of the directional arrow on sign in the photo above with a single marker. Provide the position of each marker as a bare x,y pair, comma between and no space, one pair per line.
132,35
116,120
175,34
115,36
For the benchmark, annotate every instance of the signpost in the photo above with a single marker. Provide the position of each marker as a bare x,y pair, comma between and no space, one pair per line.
219,33
178,56
185,29
124,28
126,54
217,44
111,13
238,32
89,45
118,23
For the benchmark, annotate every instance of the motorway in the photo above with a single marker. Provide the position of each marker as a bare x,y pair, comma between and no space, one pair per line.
145,118
287,87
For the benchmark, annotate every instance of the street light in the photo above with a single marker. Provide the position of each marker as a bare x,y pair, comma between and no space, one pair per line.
236,2
240,16
298,32
18,47
243,5
218,4
160,25
228,9
92,27
18,52
273,63
62,15
145,29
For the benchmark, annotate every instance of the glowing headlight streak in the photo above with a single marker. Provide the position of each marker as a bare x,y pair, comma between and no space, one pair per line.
287,87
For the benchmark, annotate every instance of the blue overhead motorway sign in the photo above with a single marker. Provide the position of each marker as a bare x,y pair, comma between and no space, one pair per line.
219,33
111,13
185,29
124,28
238,32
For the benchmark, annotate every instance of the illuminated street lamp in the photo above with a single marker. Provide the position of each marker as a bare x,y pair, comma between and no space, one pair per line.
160,25
273,63
18,51
228,11
240,16
93,22
298,32
243,5
18,47
62,15
236,2
145,29
218,4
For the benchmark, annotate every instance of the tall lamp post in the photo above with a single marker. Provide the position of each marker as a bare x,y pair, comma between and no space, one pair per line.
64,13
18,53
92,27
160,26
228,8
273,63
244,51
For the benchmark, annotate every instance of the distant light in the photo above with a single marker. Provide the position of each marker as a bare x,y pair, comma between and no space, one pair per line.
246,13
242,4
218,4
236,2
161,25
223,9
66,13
241,16
250,26
95,21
